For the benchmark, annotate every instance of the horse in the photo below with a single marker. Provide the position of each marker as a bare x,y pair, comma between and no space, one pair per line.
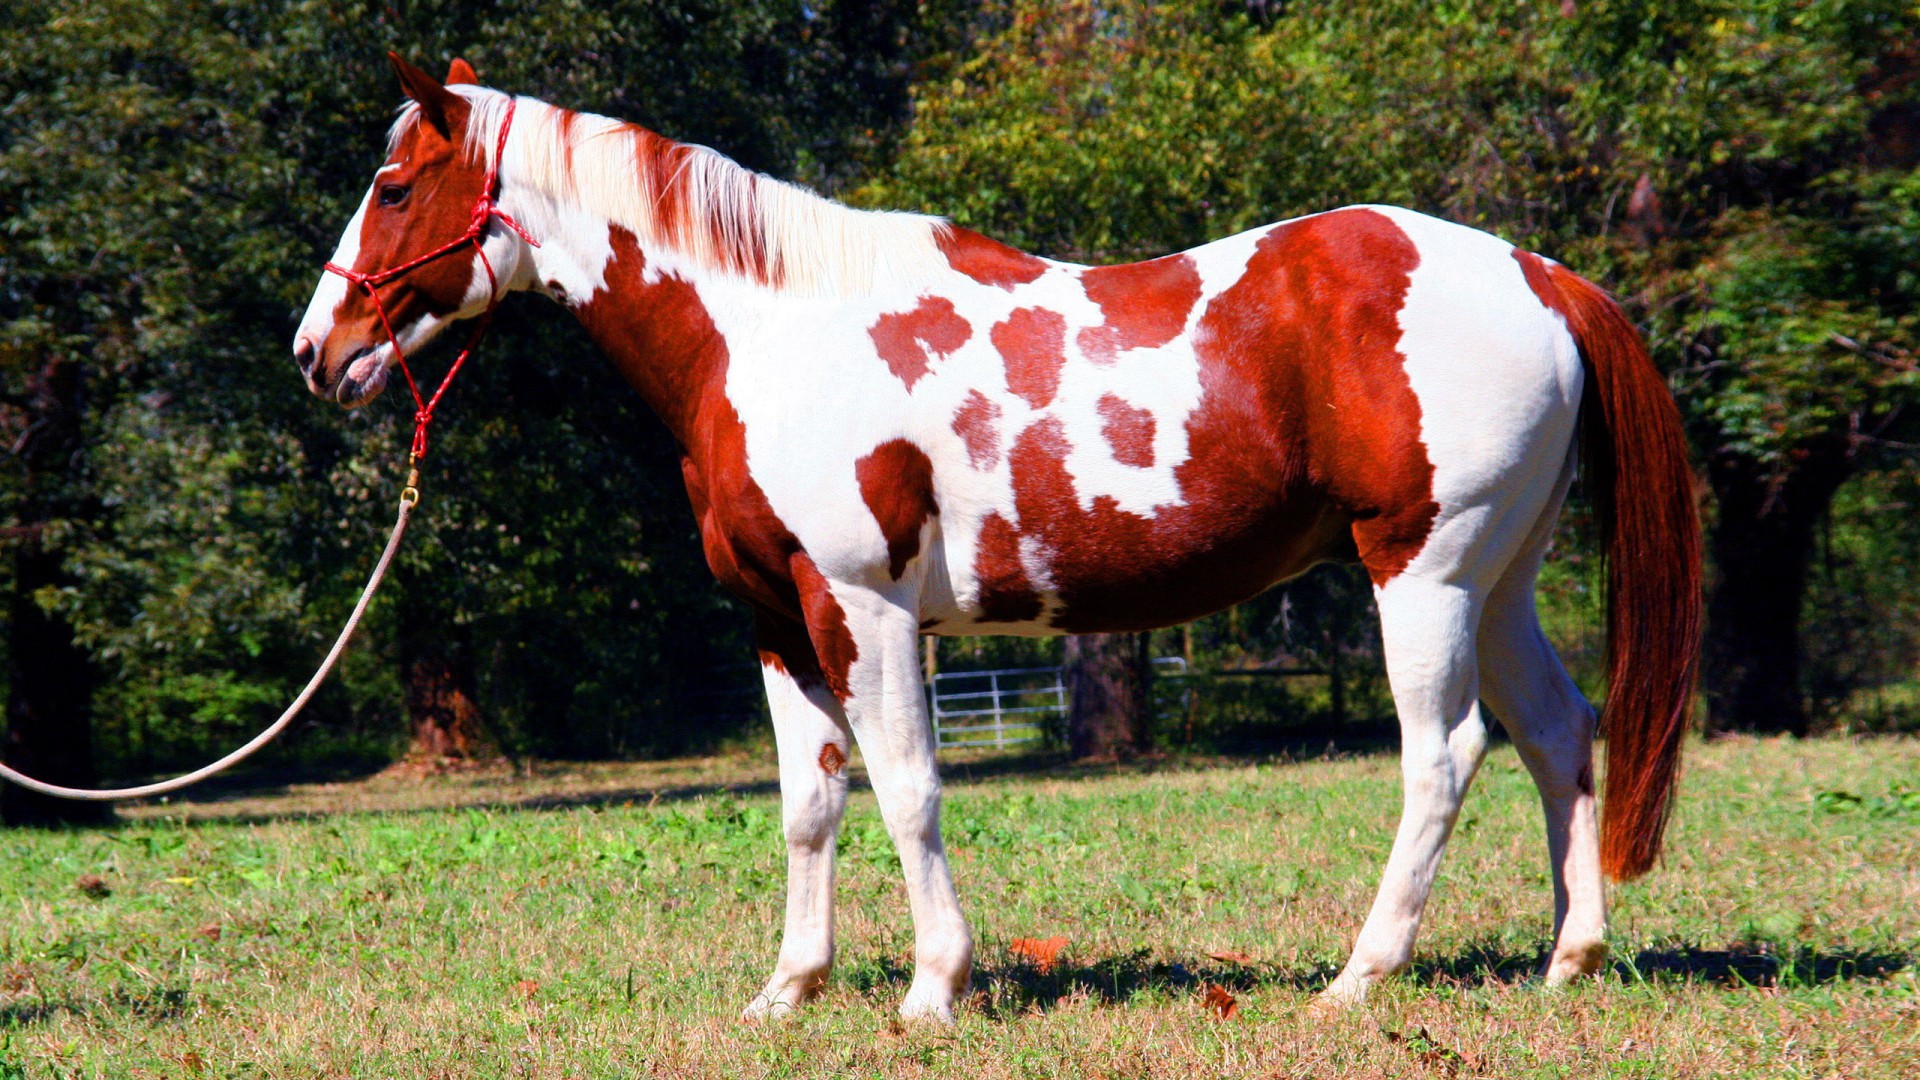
892,426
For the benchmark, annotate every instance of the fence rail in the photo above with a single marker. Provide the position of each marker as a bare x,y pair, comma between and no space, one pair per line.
1006,707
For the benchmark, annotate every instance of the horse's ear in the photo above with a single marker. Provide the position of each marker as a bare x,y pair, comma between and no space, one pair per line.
460,73
440,107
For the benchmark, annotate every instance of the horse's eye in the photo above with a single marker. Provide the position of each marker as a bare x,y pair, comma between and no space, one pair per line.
393,194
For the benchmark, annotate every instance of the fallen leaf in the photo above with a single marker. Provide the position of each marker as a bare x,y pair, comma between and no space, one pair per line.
16,978
1042,953
1219,1002
1231,956
193,1062
211,931
182,880
527,987
93,885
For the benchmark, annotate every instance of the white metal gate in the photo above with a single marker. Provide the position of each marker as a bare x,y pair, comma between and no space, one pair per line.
996,708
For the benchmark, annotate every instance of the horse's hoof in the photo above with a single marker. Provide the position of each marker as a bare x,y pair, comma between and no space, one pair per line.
1572,962
1343,993
917,1009
763,1007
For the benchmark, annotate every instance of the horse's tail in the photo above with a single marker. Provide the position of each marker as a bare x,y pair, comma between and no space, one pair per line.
1641,487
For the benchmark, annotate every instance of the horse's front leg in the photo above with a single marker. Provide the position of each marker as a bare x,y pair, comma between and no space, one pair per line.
810,728
887,707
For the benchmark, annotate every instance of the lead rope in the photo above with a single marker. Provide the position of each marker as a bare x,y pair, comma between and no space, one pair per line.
408,499
485,211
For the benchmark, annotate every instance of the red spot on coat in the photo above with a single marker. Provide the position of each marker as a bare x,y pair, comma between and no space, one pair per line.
662,339
1006,594
1145,304
832,759
1129,431
978,425
905,338
1305,445
1033,344
986,261
896,480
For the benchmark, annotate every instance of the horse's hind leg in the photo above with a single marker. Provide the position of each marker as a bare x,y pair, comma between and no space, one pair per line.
1552,726
810,730
1427,630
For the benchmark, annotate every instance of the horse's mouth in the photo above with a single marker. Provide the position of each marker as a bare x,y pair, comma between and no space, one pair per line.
364,377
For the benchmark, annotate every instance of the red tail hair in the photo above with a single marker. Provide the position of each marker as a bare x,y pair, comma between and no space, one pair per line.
1636,474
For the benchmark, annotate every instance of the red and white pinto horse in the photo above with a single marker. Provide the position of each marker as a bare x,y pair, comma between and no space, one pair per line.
894,427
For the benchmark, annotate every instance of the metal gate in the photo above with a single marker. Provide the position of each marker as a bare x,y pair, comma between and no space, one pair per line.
1007,707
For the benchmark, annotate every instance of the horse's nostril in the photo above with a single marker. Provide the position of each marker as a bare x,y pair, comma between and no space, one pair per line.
305,355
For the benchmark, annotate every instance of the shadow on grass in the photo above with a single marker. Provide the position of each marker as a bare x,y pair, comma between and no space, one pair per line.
268,784
1015,986
156,1005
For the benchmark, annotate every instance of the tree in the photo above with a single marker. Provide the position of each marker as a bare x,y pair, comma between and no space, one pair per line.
1109,695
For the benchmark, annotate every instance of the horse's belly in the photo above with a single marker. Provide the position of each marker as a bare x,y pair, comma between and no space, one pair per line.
1106,570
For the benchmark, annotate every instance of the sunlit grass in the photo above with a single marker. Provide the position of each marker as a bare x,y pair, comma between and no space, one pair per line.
610,920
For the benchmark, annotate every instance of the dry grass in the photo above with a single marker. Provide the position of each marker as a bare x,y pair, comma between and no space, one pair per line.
609,920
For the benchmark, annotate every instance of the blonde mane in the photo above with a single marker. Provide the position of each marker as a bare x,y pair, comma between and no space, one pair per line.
719,216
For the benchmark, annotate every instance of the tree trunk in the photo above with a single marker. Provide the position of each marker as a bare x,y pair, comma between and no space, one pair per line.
1108,704
49,686
1762,540
49,679
443,710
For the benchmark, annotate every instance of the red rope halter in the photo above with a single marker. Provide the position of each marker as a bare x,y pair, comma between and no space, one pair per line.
485,209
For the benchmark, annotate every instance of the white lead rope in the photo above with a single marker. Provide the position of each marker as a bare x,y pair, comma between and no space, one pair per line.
408,498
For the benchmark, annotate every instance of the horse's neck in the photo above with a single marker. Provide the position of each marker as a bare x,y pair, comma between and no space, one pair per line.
648,311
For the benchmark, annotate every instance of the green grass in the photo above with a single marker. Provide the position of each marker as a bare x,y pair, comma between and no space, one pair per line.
606,921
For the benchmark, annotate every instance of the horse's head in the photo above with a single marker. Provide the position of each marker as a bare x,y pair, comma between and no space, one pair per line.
422,198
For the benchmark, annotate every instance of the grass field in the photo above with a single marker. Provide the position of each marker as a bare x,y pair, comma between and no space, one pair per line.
610,921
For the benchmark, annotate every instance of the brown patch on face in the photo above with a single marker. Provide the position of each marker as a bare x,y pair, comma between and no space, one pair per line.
1006,595
662,339
978,424
1033,344
1145,304
896,480
904,338
988,262
1305,445
1129,431
441,188
832,759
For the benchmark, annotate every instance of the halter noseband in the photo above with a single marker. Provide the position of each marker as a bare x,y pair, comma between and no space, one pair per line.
485,209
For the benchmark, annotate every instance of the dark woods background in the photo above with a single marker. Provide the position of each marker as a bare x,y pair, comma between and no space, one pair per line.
182,528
